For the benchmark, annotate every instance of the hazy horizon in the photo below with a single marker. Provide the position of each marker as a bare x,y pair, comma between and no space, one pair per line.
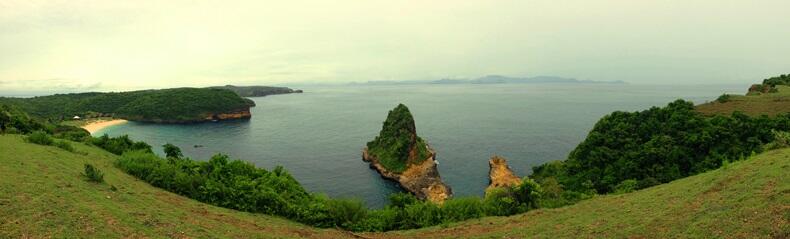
74,46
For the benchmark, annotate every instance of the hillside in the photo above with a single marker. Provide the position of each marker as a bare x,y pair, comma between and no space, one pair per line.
178,105
751,104
43,194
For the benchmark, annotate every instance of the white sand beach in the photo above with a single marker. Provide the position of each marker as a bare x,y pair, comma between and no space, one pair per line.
95,126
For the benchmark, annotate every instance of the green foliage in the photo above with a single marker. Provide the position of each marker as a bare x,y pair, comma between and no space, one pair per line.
240,185
346,212
64,145
627,186
14,120
777,80
172,151
40,137
398,137
167,105
93,174
659,145
119,145
724,98
781,139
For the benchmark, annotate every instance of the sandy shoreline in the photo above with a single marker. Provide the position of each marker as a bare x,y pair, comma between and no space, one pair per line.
95,126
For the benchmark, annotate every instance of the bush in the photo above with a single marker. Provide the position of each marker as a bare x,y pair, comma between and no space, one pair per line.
93,174
723,98
119,145
346,212
626,186
39,137
172,151
64,145
781,140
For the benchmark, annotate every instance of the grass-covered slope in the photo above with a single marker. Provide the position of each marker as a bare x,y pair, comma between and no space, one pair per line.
166,105
42,194
745,199
770,104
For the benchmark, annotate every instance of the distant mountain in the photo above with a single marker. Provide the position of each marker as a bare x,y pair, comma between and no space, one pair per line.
257,91
495,79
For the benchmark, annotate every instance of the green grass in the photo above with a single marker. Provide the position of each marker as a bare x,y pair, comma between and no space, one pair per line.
44,194
753,105
744,199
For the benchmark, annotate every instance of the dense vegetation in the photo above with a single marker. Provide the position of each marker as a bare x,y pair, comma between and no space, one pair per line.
658,145
240,185
398,144
777,80
167,105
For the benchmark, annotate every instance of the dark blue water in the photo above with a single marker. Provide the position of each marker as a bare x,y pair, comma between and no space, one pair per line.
318,135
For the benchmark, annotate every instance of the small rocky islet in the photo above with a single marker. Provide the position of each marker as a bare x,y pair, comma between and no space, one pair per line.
398,154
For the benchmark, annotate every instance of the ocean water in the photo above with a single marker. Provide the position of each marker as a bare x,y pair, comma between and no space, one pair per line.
318,135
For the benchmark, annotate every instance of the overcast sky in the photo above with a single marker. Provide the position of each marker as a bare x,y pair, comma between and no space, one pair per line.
123,45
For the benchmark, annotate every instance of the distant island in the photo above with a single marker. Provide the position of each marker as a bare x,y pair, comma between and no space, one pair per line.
494,79
257,91
178,105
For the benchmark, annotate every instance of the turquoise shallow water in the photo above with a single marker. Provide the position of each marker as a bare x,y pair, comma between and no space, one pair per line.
318,135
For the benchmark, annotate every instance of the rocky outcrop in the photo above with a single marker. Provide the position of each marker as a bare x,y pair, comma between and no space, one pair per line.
421,179
241,114
398,154
500,174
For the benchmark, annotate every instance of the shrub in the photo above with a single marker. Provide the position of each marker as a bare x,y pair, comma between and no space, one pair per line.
723,98
346,212
93,174
460,209
781,140
64,145
172,151
39,137
626,186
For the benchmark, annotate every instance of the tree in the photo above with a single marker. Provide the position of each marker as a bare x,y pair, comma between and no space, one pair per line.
172,151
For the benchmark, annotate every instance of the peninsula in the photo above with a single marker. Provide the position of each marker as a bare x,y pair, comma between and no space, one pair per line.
177,105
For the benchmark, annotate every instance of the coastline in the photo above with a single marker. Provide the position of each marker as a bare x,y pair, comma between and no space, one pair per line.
95,126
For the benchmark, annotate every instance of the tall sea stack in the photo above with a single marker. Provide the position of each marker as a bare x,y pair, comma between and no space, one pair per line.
400,155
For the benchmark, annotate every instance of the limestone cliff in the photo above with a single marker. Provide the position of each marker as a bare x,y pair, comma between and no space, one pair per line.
241,114
421,179
400,155
500,174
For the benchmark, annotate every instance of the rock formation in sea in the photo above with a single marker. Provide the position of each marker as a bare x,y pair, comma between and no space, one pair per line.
400,155
500,174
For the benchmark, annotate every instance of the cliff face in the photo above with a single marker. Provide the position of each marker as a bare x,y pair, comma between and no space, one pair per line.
400,155
500,174
242,114
421,179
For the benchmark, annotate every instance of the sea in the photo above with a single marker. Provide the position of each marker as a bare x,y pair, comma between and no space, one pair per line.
318,135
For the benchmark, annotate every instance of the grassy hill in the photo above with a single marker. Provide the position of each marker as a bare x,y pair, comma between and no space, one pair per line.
753,105
42,194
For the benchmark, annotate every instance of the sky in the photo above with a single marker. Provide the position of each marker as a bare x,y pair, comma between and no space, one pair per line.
80,45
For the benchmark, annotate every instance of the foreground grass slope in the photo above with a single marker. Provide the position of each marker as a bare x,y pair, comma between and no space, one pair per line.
42,194
753,105
745,199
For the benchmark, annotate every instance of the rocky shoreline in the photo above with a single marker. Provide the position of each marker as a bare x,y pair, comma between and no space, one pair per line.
500,174
421,179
